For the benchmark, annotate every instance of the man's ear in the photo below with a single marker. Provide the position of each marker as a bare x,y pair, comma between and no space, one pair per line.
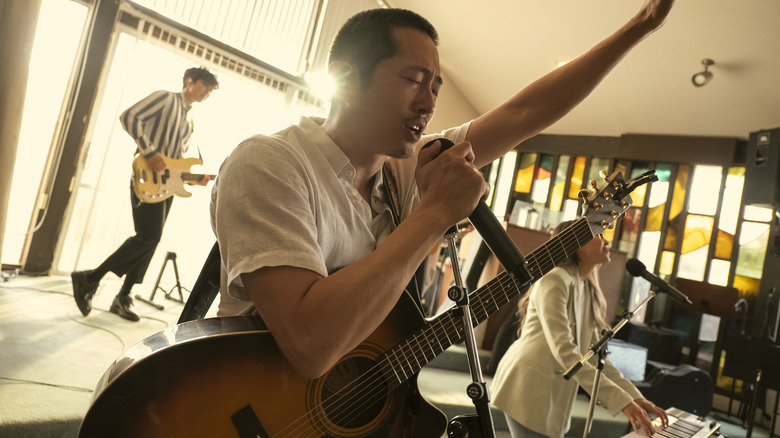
342,74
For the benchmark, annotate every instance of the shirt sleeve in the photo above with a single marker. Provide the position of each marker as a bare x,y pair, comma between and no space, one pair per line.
262,212
135,118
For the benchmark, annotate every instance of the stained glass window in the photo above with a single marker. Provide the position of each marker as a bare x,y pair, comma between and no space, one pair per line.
719,272
753,239
543,179
680,190
695,247
525,174
705,188
758,214
732,196
648,248
677,226
596,166
630,230
676,207
578,172
560,182
504,185
667,263
638,195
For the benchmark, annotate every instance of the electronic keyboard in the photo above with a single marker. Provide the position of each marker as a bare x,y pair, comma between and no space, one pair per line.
681,425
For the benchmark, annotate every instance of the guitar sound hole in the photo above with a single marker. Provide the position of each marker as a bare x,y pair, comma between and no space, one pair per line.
353,394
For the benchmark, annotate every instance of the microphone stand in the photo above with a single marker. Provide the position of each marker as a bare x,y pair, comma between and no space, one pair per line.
600,349
463,425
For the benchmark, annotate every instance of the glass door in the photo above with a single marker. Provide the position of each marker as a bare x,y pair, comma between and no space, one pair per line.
100,219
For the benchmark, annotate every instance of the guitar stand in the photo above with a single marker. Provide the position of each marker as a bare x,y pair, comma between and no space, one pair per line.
480,425
172,257
600,348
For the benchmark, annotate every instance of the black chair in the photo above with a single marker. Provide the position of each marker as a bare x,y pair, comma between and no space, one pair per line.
205,289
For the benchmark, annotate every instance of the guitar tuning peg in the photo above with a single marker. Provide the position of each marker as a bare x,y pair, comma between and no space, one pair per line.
594,184
584,193
603,174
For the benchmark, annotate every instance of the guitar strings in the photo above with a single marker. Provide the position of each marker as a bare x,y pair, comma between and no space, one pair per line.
371,387
369,391
375,388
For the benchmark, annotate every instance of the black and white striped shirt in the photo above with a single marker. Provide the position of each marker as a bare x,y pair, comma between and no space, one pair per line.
159,123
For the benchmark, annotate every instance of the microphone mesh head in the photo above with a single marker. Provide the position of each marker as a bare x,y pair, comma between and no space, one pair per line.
635,267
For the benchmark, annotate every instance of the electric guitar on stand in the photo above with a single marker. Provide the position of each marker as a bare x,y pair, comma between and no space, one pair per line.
151,187
220,377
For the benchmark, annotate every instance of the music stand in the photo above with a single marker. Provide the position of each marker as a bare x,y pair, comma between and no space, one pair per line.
710,299
756,361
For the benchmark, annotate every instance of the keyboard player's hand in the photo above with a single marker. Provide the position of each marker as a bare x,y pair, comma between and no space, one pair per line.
653,410
639,412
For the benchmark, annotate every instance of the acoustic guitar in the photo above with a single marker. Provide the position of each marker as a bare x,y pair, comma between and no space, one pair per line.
151,187
225,377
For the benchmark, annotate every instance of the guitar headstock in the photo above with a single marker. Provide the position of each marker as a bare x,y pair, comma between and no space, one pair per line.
610,201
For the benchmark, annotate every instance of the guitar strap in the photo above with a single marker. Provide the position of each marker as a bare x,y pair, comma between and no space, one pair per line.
391,193
412,404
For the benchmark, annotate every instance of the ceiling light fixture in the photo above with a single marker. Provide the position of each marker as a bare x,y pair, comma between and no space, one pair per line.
701,78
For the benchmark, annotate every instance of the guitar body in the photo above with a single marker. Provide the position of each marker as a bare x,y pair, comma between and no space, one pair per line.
151,187
225,377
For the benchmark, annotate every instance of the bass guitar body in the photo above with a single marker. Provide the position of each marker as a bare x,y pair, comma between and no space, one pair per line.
151,187
225,377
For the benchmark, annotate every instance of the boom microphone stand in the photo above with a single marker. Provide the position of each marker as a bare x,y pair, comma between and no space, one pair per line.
463,426
600,349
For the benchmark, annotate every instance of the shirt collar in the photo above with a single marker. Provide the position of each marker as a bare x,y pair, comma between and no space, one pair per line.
183,102
338,161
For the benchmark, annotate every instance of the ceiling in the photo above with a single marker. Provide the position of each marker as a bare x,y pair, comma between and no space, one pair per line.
490,49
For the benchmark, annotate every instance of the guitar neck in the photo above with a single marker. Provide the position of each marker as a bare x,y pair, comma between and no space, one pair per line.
408,357
186,176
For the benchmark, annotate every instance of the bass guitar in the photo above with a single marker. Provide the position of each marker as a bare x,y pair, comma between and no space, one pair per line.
151,187
225,377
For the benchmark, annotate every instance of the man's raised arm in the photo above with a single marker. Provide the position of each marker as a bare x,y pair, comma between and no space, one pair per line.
552,96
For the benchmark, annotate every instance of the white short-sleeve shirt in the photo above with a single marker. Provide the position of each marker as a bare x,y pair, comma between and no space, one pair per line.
288,199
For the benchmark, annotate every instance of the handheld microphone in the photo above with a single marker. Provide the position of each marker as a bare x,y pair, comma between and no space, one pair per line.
638,269
491,230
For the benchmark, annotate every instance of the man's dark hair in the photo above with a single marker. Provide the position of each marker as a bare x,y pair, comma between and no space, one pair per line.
367,38
200,74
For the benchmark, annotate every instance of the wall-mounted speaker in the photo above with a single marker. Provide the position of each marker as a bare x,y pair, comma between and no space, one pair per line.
762,169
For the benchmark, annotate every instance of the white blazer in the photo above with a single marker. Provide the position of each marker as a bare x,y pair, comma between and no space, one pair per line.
559,329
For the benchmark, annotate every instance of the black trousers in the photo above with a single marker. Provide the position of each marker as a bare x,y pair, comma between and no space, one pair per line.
133,256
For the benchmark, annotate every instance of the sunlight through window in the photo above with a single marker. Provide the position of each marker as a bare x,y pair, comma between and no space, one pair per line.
705,187
56,42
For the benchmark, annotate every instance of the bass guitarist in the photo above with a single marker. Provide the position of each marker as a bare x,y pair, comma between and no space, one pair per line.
160,126
322,225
